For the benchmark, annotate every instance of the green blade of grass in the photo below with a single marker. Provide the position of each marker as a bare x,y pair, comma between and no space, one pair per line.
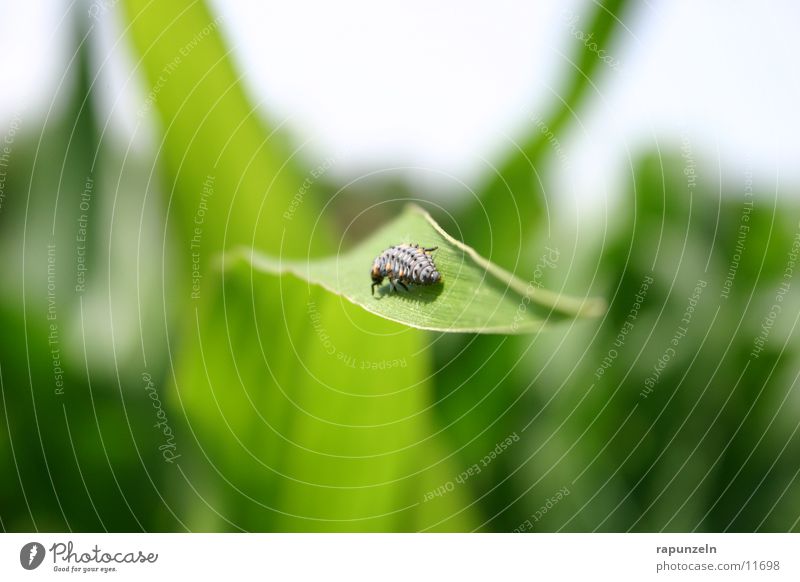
474,296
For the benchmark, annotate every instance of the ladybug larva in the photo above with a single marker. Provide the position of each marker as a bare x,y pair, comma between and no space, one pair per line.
403,264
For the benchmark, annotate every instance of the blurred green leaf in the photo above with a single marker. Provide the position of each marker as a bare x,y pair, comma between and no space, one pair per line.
511,209
88,439
670,422
274,431
216,148
475,296
317,419
510,223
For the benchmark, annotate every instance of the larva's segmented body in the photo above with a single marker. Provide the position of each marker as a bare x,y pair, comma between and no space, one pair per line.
404,264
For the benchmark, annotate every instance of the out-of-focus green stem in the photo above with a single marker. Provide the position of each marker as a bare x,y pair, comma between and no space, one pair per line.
512,205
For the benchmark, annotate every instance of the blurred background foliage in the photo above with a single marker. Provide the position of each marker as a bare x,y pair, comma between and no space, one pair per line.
274,432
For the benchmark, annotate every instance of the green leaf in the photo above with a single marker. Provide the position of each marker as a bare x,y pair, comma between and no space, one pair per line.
274,432
511,211
307,413
474,296
221,157
512,219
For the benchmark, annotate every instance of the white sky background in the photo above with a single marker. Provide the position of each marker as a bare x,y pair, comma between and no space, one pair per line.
445,86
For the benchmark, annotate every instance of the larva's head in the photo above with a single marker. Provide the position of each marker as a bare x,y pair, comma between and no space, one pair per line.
377,277
375,273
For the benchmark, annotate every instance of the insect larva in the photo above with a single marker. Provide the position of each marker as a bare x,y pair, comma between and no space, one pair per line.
403,264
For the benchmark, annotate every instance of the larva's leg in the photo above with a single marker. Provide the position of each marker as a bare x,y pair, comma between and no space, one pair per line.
430,249
403,285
